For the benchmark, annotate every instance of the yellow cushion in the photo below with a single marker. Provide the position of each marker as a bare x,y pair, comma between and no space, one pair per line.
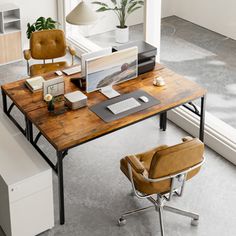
48,44
39,69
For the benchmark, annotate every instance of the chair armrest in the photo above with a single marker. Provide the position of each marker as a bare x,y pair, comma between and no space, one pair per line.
135,163
27,54
187,138
72,51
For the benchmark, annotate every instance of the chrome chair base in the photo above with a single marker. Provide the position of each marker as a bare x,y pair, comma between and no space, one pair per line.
160,207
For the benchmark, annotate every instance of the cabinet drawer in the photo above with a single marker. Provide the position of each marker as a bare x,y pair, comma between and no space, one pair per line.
10,47
2,50
30,186
13,46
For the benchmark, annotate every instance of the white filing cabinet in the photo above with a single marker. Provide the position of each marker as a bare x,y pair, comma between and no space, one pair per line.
26,194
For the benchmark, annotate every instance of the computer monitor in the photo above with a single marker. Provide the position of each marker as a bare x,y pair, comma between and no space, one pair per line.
95,54
103,72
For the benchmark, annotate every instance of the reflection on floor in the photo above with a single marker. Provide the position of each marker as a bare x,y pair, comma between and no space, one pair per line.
205,57
108,38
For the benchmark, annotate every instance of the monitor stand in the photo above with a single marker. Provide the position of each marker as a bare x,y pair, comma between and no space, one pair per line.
109,92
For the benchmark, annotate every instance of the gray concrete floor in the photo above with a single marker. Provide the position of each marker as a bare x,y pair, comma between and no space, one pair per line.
96,192
205,57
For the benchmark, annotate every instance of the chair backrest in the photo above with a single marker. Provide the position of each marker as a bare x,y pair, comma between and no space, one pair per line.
48,44
177,158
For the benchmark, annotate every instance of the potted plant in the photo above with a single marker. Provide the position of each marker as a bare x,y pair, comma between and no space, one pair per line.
41,24
49,99
122,9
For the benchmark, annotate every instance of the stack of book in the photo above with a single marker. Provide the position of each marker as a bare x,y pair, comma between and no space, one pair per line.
35,83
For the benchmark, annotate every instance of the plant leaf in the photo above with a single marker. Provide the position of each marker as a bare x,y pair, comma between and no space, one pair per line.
40,23
100,3
131,6
102,9
134,9
30,30
141,2
124,3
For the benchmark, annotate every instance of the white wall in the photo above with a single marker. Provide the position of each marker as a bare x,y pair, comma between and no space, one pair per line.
152,24
167,8
31,10
216,15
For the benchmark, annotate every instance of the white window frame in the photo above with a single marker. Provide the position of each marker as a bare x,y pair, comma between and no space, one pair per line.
218,135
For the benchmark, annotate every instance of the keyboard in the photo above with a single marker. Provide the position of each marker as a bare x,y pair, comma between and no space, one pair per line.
72,70
123,106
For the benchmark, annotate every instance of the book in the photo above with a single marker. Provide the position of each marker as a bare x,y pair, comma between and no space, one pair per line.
72,70
35,83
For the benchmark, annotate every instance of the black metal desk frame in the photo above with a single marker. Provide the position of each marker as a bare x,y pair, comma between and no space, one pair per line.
58,167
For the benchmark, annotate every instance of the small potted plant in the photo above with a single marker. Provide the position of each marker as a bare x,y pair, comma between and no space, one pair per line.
122,9
41,24
49,99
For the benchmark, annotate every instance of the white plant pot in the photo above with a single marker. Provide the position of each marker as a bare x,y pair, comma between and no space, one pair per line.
122,35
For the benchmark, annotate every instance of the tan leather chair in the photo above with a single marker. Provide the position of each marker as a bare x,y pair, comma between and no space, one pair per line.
47,44
163,171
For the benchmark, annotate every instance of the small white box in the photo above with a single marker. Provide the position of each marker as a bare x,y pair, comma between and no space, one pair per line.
75,100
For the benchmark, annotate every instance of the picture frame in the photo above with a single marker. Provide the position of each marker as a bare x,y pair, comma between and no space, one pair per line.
55,87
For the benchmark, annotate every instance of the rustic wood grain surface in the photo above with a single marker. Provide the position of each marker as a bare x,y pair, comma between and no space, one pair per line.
75,127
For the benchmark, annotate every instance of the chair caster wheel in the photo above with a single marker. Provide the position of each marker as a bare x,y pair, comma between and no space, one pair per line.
194,222
121,222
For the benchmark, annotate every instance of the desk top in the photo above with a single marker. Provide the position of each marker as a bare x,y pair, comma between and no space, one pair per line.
76,127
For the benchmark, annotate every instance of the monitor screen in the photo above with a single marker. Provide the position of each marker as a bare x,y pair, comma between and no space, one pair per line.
89,55
111,69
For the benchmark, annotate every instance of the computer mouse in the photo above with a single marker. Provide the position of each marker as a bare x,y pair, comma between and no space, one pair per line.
144,99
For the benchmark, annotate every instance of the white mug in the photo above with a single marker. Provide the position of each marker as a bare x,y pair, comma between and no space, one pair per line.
159,81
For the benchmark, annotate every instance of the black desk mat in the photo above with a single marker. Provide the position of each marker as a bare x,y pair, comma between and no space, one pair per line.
105,114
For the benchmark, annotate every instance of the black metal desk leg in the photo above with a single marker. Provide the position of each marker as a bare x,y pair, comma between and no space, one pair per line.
4,102
30,131
60,186
26,128
202,118
163,120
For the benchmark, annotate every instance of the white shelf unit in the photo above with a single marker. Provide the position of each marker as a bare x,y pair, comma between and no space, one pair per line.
9,18
10,33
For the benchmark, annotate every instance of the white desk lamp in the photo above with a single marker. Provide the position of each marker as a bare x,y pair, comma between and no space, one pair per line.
82,14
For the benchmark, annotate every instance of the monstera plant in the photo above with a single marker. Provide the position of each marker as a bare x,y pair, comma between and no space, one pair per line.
41,23
122,9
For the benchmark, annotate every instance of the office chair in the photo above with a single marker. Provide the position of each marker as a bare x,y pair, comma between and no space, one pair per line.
163,171
47,44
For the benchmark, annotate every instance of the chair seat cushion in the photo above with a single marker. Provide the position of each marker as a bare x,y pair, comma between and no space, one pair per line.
38,69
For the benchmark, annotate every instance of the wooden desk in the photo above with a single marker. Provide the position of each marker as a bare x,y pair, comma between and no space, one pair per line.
73,128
